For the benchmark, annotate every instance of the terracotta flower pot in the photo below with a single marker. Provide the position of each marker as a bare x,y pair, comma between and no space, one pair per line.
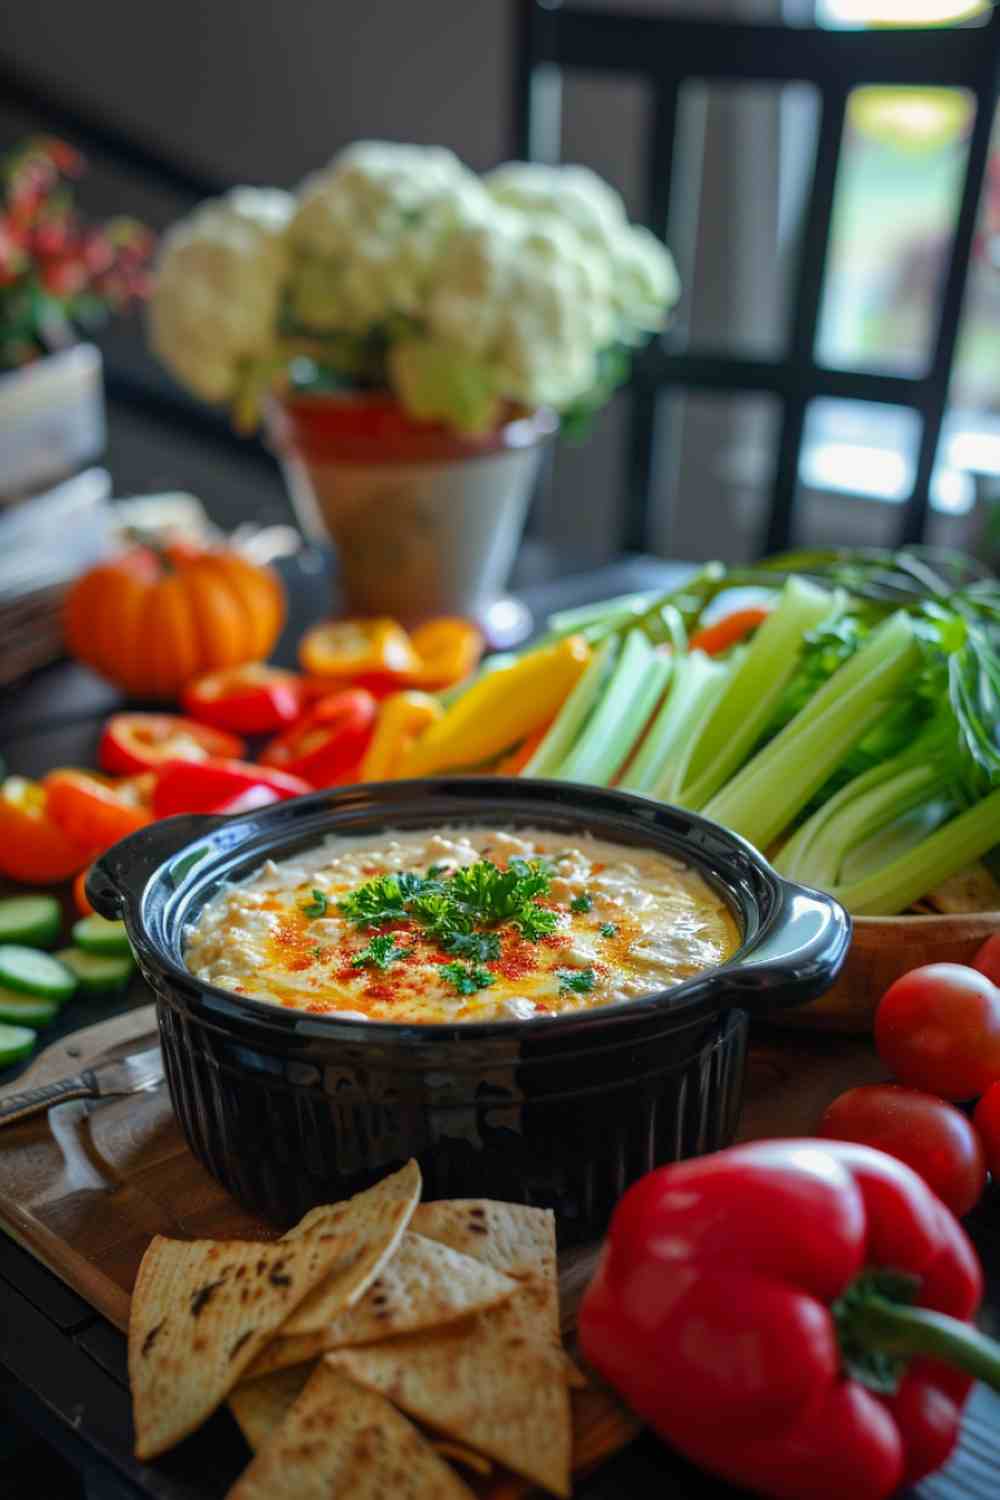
425,521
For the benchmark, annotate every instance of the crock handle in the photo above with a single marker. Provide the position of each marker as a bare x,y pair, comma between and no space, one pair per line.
800,958
122,871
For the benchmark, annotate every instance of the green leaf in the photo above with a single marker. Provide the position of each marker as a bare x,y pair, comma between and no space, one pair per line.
381,951
478,947
466,978
576,981
581,903
609,930
317,906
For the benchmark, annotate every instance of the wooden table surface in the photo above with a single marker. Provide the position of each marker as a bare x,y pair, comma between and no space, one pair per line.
62,1368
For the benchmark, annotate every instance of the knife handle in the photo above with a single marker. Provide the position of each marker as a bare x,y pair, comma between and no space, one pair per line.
39,1101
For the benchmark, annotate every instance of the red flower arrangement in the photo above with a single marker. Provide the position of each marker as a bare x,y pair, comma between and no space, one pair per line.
57,273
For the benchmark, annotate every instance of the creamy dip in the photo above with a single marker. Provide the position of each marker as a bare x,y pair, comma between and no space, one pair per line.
605,922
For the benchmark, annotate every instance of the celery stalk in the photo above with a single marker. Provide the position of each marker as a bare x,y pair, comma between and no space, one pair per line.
633,692
797,856
697,683
949,849
569,721
742,713
774,787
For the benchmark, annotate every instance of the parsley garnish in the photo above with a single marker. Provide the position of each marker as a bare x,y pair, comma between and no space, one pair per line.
315,952
317,906
466,977
433,871
580,981
478,947
380,953
581,903
609,930
451,910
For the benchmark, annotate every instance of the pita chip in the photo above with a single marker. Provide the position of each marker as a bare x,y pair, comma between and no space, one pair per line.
201,1312
340,1443
260,1406
372,1224
424,1285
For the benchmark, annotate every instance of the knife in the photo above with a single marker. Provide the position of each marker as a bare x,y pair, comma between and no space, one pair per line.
133,1074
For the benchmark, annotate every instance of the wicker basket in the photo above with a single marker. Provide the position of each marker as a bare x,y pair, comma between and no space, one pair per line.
882,949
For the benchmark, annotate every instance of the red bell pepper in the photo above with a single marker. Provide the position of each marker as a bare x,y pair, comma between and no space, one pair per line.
326,745
96,811
212,786
251,699
134,742
791,1314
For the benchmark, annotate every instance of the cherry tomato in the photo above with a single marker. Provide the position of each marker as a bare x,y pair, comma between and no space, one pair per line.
212,786
35,848
251,699
97,811
932,1137
141,742
987,1121
938,1028
987,960
327,743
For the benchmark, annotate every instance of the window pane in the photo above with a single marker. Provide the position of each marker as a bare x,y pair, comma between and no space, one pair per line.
898,188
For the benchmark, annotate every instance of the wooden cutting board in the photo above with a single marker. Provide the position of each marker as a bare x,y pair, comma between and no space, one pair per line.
86,1188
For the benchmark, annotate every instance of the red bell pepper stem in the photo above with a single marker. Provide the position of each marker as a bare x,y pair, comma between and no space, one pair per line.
894,1328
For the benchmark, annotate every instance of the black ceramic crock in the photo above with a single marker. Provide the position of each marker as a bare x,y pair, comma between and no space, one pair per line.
289,1109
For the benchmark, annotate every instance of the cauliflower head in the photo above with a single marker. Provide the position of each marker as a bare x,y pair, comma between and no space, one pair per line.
217,289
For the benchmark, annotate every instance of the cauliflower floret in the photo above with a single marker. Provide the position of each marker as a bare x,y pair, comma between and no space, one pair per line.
368,228
217,287
642,278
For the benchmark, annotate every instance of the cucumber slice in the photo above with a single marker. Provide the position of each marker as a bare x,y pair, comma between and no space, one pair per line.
99,935
15,1042
32,920
26,1010
97,973
33,973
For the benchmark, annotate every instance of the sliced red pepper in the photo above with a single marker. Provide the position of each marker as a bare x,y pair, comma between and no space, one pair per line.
211,786
96,811
449,649
327,743
345,650
80,898
795,1315
141,742
34,848
251,699
718,637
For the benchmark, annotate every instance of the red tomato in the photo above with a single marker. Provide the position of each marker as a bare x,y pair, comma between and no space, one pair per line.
987,1121
987,960
252,699
211,786
938,1028
142,742
327,743
932,1137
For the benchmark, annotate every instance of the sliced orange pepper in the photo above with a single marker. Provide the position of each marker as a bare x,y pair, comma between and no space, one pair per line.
95,810
401,718
34,848
514,763
716,638
80,900
449,649
352,649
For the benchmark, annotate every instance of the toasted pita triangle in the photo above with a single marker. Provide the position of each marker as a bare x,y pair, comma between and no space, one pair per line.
384,1211
201,1311
424,1285
261,1405
496,1381
340,1443
206,1308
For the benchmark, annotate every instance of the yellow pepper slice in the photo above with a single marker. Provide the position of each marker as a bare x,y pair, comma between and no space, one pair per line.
501,708
401,718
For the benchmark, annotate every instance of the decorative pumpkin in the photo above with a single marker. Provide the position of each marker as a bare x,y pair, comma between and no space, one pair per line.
151,619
